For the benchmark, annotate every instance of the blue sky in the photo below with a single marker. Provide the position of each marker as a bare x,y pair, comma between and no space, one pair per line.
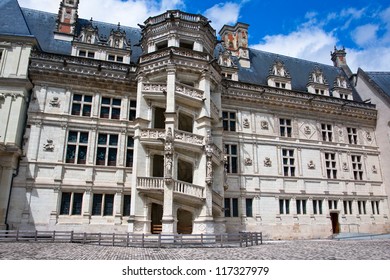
298,28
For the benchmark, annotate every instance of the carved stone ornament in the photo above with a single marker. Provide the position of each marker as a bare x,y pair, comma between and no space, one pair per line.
55,101
374,169
264,125
246,123
368,136
307,130
209,172
311,165
267,162
345,166
248,162
49,146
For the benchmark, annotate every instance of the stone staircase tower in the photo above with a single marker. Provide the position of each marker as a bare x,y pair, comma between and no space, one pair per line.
178,171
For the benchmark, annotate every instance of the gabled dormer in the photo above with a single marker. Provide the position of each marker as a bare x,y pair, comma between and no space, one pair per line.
279,76
91,44
117,39
89,34
341,88
317,82
229,68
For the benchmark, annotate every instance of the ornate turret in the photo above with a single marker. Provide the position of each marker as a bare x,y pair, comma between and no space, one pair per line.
67,19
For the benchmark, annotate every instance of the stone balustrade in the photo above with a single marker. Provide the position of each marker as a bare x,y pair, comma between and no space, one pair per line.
189,91
152,183
188,189
154,87
152,133
188,137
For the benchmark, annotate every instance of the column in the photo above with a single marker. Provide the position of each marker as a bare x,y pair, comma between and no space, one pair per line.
169,154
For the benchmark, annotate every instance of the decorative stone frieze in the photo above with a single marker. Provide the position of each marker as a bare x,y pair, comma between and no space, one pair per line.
246,123
248,162
48,146
267,162
264,125
55,102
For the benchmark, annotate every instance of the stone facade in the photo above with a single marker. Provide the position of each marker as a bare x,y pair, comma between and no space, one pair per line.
179,134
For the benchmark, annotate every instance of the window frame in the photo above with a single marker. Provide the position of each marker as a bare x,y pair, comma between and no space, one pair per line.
317,206
357,167
101,206
126,205
74,208
362,209
132,109
78,145
284,206
112,107
108,147
285,127
330,165
231,159
327,132
288,162
229,121
130,150
83,105
301,206
232,210
352,134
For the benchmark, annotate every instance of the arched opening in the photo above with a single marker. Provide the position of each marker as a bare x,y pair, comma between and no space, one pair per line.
184,222
186,123
159,118
156,217
184,171
158,166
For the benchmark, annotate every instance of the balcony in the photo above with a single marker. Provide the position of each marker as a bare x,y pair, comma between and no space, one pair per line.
189,95
182,191
152,136
154,90
188,141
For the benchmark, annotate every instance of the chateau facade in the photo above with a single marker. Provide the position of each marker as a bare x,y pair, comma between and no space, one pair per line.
163,129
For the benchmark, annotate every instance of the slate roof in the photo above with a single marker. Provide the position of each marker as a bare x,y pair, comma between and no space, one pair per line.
42,25
12,19
381,80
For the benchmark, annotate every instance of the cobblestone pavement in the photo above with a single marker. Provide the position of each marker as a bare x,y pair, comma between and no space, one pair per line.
280,250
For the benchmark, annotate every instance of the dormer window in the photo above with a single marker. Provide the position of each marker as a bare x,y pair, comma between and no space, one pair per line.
317,82
341,88
85,53
116,58
278,76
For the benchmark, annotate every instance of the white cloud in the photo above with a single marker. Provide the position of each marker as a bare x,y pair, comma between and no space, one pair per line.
365,35
128,13
306,43
372,59
223,13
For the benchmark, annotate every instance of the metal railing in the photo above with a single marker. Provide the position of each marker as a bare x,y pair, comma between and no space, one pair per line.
242,239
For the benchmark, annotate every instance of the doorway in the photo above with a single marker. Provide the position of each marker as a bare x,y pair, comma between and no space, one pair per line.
184,222
334,217
157,214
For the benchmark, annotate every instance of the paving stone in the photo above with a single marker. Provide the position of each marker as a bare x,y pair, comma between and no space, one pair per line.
281,250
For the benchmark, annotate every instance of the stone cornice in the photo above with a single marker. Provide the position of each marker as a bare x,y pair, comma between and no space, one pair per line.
298,100
80,66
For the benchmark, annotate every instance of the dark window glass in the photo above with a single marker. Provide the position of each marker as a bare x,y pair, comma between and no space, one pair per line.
77,203
65,204
126,205
249,211
108,205
97,204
